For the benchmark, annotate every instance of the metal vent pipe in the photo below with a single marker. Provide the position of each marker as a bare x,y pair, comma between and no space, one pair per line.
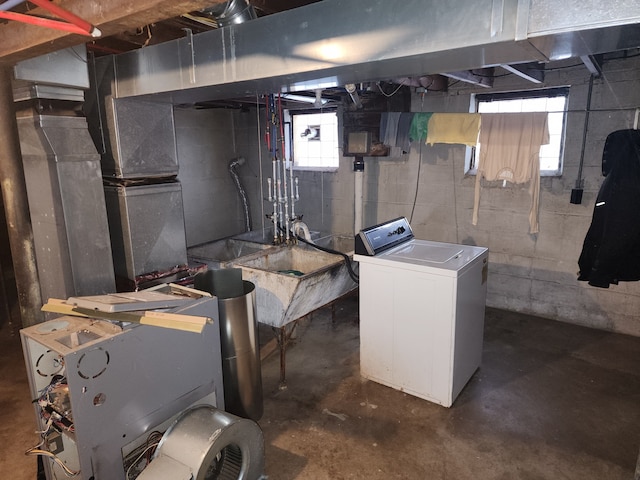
232,12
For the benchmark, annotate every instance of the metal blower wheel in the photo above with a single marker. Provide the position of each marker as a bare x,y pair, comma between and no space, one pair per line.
205,443
227,464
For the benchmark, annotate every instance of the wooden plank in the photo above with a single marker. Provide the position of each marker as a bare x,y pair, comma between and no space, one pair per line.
188,323
20,41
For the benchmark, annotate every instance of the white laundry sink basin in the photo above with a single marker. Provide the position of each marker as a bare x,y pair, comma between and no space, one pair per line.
294,281
219,253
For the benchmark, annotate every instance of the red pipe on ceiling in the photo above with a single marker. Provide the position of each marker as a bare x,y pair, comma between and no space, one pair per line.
73,23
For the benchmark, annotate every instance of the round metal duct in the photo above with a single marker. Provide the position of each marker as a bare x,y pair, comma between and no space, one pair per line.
205,443
232,12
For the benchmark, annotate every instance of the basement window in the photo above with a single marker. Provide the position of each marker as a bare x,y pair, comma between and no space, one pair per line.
315,140
553,101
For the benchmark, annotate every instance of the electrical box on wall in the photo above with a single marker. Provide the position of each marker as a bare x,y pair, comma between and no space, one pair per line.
359,143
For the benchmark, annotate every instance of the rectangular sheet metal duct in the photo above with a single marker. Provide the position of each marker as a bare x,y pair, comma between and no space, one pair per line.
335,42
68,213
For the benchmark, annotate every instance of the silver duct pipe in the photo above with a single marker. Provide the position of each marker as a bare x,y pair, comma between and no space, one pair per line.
232,12
233,165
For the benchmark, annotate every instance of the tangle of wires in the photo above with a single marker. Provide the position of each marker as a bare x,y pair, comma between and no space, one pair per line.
55,409
143,455
55,405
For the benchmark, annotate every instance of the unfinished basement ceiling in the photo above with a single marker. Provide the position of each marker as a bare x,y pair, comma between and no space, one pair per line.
124,25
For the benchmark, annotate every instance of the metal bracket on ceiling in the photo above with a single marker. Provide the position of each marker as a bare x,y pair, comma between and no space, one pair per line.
192,67
482,77
69,23
529,71
593,64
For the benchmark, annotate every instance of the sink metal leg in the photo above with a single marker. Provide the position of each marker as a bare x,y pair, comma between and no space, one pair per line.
283,336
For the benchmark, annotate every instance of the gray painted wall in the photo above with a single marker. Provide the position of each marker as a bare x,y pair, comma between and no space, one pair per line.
528,273
207,140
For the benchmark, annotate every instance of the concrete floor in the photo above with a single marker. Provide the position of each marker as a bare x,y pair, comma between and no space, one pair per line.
551,401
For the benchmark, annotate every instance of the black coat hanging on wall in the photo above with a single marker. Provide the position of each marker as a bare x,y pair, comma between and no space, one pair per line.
611,249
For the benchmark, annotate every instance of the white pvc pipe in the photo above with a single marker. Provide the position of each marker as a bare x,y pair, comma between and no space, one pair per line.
293,197
359,181
274,215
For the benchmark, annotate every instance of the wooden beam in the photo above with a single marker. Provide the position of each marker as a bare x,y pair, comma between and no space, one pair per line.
19,41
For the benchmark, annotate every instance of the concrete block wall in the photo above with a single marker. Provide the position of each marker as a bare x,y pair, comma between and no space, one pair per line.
206,143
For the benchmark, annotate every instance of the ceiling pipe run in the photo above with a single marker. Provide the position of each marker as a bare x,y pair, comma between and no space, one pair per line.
72,23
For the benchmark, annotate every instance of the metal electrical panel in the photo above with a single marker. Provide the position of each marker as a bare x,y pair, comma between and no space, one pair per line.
102,388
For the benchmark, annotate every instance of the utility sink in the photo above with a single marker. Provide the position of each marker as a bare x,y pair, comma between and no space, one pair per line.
341,243
220,253
294,281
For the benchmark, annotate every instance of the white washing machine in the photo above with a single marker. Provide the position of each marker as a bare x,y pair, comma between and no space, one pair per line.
421,311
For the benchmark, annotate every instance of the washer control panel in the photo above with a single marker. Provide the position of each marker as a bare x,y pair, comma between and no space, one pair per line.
374,240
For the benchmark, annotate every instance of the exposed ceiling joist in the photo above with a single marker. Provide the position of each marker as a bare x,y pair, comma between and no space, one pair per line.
529,71
593,64
20,41
483,77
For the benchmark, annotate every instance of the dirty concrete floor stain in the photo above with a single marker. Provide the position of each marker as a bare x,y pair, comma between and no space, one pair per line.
550,401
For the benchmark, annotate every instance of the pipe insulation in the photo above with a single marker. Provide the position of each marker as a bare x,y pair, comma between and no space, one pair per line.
233,165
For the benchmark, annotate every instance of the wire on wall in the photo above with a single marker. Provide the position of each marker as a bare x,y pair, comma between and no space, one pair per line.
392,93
420,142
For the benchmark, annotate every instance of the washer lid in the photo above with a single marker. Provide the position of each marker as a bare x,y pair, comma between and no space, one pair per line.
427,253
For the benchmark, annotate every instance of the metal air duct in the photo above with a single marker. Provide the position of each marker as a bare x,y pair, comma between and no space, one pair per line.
232,12
67,204
333,42
63,177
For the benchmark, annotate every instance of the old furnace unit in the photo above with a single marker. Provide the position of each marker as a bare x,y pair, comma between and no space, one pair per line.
100,389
